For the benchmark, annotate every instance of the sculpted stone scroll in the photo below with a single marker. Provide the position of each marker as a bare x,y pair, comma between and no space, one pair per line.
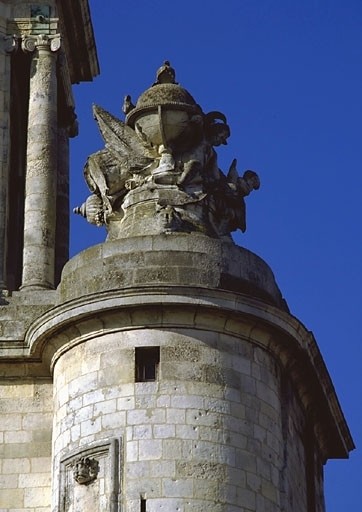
41,41
158,172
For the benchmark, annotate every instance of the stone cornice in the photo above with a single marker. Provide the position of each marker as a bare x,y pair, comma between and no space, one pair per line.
77,30
191,308
70,120
25,26
75,25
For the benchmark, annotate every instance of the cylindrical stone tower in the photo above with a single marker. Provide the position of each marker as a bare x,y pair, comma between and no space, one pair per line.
181,381
181,376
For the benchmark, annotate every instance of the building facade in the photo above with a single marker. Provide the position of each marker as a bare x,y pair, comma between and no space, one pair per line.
162,369
45,47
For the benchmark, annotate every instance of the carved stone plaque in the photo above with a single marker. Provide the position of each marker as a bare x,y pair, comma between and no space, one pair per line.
90,478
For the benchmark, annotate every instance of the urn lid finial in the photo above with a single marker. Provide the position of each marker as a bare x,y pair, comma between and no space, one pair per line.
165,74
165,92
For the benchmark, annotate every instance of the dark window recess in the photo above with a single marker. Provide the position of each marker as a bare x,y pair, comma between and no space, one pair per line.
143,505
147,361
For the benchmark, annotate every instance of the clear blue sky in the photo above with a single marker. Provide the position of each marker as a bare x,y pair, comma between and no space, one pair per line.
288,76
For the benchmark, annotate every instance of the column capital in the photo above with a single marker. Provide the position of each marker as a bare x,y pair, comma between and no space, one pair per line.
9,43
30,43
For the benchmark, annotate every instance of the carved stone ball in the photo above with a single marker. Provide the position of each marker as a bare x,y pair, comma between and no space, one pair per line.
166,114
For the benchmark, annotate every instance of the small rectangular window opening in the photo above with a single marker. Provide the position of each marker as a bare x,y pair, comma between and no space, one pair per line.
147,362
143,505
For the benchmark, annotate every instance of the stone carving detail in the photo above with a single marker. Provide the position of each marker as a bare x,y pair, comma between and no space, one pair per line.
85,470
158,172
90,478
41,41
10,43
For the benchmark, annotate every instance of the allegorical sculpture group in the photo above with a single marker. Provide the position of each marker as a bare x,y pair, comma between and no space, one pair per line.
158,172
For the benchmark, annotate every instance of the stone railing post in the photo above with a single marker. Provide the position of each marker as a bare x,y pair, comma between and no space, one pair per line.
41,169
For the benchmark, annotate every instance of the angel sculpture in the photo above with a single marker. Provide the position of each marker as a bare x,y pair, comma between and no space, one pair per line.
158,171
109,173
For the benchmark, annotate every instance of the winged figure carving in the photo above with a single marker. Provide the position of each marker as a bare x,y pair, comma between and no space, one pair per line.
158,171
125,155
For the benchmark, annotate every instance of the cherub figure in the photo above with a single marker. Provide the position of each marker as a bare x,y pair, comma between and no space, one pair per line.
199,164
227,203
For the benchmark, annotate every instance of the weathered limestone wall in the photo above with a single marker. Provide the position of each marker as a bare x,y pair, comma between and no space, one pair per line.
177,260
26,425
207,435
303,472
239,416
25,382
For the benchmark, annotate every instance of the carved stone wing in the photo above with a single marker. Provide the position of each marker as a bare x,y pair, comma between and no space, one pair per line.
233,174
122,142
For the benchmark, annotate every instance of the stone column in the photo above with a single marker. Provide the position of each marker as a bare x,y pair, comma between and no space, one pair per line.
41,170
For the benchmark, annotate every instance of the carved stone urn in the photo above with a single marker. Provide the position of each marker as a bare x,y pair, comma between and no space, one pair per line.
167,115
159,173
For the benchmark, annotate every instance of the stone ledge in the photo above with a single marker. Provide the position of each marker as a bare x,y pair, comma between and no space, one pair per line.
17,312
76,26
191,310
173,259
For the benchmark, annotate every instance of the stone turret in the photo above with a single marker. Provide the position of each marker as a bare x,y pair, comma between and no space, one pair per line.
180,381
179,349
